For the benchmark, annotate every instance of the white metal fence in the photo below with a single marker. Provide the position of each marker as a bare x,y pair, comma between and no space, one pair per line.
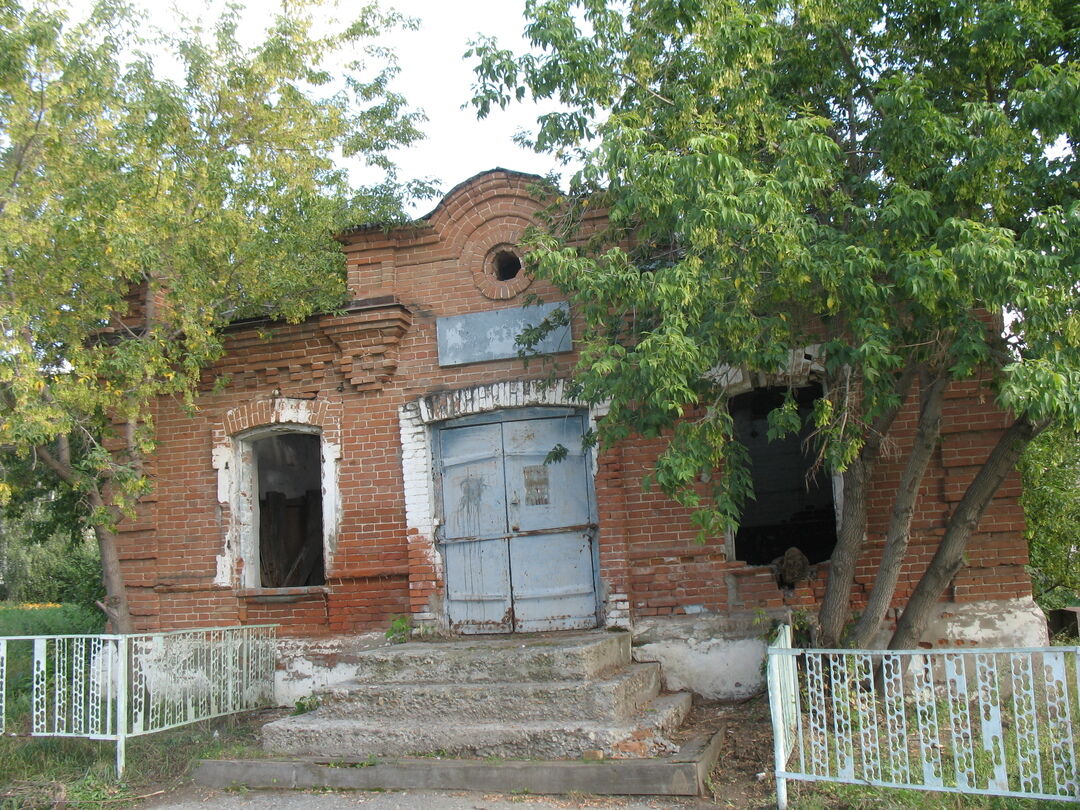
112,687
989,721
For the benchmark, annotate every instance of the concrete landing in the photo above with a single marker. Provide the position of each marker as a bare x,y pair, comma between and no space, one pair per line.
489,659
682,774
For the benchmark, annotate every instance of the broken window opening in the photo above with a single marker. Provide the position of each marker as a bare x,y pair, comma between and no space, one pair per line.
289,473
791,509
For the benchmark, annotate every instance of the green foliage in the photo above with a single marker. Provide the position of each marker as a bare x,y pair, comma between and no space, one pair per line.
152,190
872,178
896,185
36,620
399,630
1050,470
55,571
306,704
49,620
40,559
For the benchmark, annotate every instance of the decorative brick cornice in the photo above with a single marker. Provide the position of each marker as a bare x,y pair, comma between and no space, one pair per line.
361,344
367,344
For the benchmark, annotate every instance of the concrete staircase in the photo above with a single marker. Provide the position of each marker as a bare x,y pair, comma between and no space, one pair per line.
547,696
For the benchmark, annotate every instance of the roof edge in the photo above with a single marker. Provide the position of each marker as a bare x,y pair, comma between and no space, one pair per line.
457,189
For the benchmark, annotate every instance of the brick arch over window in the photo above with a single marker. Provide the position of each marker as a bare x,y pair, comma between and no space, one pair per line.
324,414
232,458
804,367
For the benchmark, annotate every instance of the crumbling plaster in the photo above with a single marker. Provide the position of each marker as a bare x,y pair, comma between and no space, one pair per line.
722,657
237,490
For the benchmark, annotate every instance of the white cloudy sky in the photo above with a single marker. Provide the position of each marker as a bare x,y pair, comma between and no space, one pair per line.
435,77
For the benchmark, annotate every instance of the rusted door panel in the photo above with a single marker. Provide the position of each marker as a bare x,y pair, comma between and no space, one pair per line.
539,495
478,586
551,574
552,581
474,502
474,517
516,537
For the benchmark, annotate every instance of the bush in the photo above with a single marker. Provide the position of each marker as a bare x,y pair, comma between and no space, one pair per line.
57,570
49,620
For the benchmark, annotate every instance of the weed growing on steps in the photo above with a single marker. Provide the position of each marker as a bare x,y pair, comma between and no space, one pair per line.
400,629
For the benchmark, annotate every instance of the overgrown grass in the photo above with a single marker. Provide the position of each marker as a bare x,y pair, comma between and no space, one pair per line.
36,772
36,620
45,771
49,620
822,796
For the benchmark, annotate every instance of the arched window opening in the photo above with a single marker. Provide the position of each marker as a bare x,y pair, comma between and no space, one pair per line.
792,509
289,474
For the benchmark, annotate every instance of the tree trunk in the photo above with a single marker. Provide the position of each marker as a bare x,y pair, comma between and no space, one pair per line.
116,602
907,495
949,557
836,604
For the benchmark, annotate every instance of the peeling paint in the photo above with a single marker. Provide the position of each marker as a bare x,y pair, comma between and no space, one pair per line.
417,460
306,666
989,623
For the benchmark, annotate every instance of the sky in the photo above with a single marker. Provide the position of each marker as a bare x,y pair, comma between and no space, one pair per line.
433,77
436,78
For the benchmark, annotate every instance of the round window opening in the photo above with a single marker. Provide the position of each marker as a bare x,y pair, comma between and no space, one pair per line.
506,265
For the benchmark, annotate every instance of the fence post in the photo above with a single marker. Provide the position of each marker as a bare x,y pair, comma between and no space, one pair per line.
776,709
3,684
121,703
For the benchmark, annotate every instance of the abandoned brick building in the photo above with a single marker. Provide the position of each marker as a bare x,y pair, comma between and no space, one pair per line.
389,460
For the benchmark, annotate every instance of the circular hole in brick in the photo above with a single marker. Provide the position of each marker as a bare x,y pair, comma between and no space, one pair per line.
506,265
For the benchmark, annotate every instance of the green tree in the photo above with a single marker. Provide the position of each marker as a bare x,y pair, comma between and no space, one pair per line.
884,180
146,204
1050,468
47,549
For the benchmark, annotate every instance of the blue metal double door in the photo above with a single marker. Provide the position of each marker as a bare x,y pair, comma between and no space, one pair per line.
517,533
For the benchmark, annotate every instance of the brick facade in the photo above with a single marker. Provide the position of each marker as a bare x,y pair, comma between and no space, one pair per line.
368,381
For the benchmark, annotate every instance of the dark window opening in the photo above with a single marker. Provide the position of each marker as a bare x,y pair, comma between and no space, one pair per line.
290,510
507,265
791,509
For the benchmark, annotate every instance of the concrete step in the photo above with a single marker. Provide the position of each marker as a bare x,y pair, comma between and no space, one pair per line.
536,657
615,698
315,734
681,774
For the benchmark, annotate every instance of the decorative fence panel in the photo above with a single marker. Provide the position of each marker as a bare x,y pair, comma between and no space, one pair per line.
112,687
989,721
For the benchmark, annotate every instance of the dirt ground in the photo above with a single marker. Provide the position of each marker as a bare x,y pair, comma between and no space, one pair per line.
742,778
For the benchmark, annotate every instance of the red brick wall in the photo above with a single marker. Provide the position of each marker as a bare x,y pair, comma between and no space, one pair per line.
361,367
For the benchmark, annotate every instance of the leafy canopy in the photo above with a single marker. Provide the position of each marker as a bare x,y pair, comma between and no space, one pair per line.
142,209
880,179
1051,474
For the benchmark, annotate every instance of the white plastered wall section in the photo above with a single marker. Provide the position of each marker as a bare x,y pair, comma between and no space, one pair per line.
416,419
720,657
237,489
